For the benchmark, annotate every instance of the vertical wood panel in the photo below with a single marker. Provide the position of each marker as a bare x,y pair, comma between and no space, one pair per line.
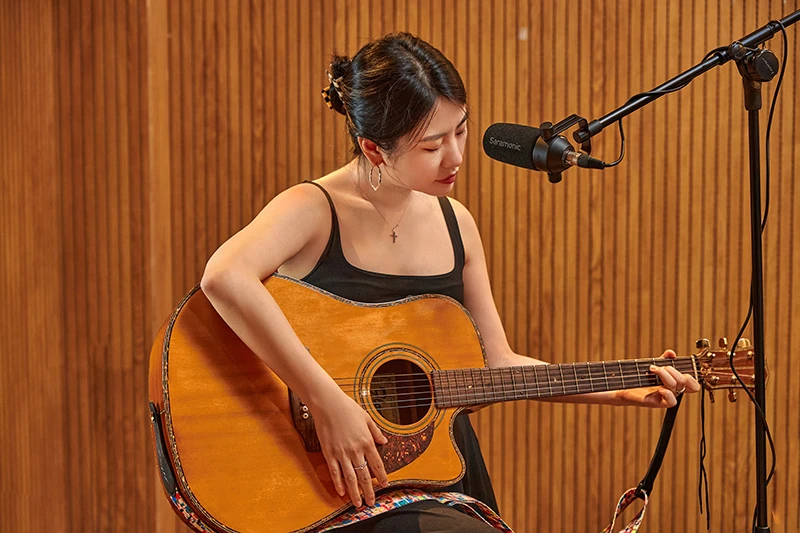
136,137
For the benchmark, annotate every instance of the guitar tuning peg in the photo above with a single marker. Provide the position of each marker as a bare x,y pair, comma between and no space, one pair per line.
702,343
711,395
732,396
723,342
744,344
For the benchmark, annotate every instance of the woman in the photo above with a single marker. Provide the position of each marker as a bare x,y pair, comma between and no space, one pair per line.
378,229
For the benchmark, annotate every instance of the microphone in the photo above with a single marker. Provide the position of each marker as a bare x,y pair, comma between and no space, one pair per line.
525,147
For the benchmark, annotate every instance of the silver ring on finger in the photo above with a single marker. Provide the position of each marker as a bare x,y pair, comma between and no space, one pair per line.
362,466
679,392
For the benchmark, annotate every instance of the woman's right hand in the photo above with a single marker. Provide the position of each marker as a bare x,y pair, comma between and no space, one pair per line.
348,436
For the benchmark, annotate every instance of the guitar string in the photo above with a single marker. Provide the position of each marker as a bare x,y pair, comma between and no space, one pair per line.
490,373
421,384
419,400
505,379
683,362
427,400
585,384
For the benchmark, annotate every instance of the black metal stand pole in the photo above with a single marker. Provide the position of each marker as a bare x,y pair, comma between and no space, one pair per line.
752,91
755,66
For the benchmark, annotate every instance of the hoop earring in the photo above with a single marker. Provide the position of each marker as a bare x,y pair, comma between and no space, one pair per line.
380,178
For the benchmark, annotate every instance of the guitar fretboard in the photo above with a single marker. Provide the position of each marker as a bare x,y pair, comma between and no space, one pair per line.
477,386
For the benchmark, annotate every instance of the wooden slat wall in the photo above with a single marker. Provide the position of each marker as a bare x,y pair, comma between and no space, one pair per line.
136,137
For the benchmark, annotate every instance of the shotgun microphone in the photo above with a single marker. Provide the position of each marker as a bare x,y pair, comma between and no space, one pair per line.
525,147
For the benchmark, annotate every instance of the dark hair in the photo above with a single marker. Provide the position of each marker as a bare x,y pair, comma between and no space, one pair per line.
390,87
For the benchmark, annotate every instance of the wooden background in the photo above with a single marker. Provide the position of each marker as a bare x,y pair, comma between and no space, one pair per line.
136,136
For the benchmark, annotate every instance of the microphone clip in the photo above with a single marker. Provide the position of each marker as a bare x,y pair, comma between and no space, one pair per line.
548,153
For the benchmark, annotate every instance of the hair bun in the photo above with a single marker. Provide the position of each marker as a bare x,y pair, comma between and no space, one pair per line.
340,66
335,92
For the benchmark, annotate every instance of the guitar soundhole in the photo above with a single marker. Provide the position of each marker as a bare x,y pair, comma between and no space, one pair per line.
401,392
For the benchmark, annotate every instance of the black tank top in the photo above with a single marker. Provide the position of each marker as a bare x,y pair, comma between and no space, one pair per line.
334,274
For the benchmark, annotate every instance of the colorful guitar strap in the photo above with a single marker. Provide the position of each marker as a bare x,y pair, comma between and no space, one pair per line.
627,498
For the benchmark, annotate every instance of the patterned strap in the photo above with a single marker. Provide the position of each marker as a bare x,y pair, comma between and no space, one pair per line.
624,502
396,499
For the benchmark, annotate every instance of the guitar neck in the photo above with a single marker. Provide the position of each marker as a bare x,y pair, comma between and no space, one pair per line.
478,386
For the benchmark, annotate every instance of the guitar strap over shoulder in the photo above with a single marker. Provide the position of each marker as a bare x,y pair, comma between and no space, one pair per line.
645,487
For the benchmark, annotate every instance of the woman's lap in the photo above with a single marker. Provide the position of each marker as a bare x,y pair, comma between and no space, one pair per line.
420,517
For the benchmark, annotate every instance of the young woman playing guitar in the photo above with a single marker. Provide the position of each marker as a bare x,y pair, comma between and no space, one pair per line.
378,229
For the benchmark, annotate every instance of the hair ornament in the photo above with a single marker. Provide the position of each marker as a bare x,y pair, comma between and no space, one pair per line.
335,84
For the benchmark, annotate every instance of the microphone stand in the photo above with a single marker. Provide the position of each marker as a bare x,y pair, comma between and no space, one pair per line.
755,66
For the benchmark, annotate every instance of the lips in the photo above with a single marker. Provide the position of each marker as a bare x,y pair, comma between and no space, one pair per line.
449,179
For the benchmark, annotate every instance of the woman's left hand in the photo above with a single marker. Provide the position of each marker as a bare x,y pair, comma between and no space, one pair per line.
673,384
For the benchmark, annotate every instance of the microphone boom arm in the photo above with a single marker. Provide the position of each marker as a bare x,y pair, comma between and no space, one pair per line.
718,57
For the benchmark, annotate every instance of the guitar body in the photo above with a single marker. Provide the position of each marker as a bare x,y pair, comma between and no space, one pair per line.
241,449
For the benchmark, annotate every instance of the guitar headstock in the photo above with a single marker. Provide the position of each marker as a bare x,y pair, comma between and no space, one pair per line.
714,366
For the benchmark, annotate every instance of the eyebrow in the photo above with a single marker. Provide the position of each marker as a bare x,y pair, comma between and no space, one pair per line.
439,135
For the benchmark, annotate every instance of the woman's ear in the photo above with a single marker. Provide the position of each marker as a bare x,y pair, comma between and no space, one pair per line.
371,151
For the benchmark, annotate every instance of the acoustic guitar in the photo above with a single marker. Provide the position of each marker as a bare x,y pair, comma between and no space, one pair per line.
238,451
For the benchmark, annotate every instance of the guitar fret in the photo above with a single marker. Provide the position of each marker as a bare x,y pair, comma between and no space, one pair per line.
563,383
441,384
638,373
452,384
580,377
501,390
605,375
513,383
472,386
658,381
462,387
549,383
536,371
571,379
589,369
525,391
621,374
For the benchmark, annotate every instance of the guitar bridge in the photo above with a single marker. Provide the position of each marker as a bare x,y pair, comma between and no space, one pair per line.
304,423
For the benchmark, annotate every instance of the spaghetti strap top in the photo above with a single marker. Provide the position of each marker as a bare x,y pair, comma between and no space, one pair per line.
335,274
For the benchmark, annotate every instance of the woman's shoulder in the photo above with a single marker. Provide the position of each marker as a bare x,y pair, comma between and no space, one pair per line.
465,219
305,199
470,234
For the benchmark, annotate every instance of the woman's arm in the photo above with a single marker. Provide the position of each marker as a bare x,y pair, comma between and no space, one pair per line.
233,283
479,301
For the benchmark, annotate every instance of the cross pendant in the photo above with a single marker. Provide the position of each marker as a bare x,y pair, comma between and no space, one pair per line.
394,236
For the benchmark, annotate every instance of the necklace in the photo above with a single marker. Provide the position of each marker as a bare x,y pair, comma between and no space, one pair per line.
393,235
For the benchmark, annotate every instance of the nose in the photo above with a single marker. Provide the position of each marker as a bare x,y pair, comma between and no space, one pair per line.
455,155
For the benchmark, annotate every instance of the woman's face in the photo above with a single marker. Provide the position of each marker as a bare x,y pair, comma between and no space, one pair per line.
429,163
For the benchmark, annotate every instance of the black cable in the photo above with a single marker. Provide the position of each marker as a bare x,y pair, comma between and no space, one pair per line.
702,487
769,120
661,92
622,148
